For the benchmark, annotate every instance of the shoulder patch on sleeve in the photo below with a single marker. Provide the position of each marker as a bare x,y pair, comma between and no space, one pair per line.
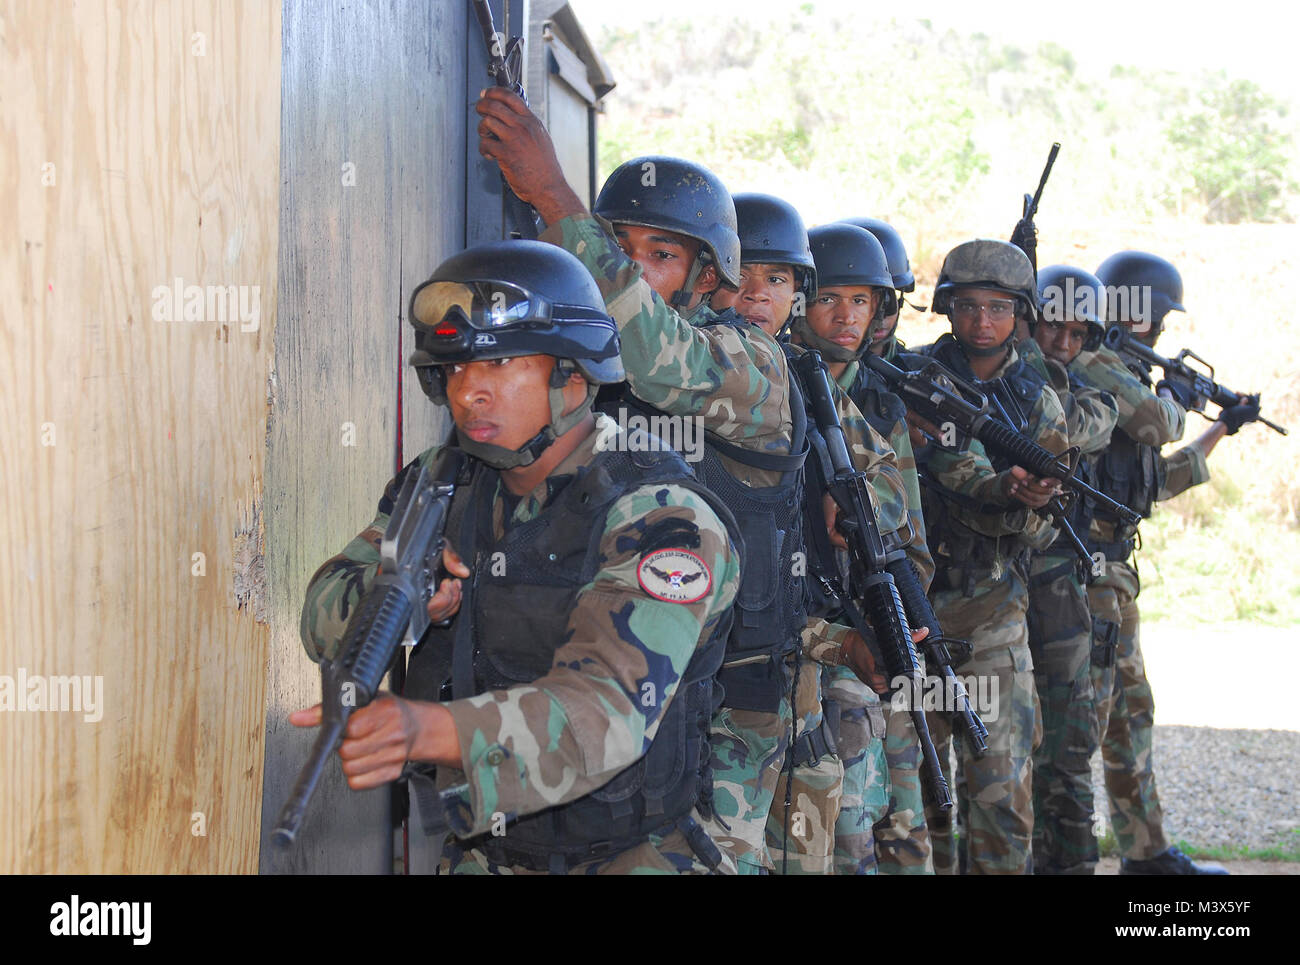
674,576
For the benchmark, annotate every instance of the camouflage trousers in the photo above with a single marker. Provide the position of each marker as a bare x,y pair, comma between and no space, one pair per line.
902,839
1125,715
860,743
801,836
1060,639
995,804
748,750
661,855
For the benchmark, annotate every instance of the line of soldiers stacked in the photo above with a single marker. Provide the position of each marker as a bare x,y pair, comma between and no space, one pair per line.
639,664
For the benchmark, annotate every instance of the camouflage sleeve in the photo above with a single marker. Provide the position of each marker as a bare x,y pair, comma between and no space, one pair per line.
1090,414
338,586
971,475
1141,413
738,384
566,734
1184,469
822,641
874,456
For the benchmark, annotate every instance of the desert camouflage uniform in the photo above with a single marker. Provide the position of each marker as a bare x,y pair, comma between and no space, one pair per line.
902,839
1125,706
738,384
987,605
1060,639
532,746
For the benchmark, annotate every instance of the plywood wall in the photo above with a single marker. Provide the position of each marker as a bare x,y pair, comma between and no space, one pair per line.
140,145
373,167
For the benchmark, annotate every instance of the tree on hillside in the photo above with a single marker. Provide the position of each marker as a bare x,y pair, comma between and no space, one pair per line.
1237,153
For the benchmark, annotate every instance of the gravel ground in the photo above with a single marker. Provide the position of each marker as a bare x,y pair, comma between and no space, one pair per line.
1226,788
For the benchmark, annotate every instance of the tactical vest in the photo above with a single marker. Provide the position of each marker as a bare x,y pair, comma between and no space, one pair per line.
1082,509
963,557
1132,473
870,393
521,592
769,613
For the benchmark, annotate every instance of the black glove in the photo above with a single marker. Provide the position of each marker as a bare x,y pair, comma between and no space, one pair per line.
1236,416
1182,394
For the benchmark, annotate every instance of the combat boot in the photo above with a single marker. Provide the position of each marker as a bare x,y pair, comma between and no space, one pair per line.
1171,862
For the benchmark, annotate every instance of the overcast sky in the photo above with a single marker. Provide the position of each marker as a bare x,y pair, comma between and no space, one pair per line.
1248,38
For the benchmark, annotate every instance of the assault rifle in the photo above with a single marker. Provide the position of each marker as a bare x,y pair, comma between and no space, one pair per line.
1200,384
938,651
935,393
505,67
885,628
393,611
938,395
1025,236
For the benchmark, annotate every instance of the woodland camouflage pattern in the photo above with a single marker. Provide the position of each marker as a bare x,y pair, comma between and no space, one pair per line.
1125,705
1060,639
559,738
902,839
996,809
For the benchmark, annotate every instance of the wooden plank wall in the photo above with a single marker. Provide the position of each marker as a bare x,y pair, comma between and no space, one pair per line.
380,88
140,144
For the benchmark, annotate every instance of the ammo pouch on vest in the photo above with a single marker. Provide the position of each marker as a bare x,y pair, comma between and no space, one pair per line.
870,393
520,594
1131,473
1105,642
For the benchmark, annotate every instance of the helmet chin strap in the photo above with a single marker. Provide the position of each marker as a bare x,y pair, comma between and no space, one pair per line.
682,297
832,351
501,458
993,350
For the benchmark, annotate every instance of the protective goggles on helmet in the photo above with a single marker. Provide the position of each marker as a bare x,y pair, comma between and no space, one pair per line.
487,305
482,305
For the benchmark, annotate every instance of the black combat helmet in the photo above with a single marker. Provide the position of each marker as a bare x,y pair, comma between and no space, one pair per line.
509,298
895,251
679,196
1145,275
1067,293
772,232
847,255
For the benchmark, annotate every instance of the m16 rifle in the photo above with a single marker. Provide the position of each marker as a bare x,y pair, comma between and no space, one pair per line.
938,395
1025,235
393,611
885,627
1199,386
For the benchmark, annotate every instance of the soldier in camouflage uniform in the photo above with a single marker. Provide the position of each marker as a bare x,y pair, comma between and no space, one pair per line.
660,240
824,827
1060,623
1134,472
902,839
582,685
980,510
856,289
